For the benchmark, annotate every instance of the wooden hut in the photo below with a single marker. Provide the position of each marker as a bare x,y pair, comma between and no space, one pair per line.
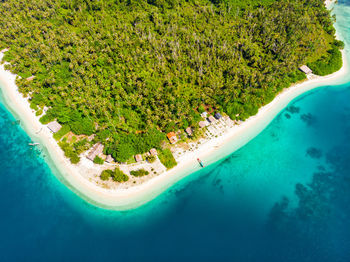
188,130
172,137
109,159
153,152
211,119
96,150
305,69
217,115
138,158
54,126
202,124
30,78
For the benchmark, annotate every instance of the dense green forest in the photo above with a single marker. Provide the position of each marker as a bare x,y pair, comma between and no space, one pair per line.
130,70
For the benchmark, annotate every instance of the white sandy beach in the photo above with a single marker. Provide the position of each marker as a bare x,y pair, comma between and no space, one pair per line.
329,3
210,152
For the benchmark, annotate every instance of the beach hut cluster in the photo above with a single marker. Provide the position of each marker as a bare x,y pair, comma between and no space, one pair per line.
175,137
97,150
209,119
152,152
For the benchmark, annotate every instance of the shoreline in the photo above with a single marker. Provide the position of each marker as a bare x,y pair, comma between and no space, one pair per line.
212,151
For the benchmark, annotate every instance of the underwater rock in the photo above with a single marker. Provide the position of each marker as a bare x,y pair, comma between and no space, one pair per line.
314,152
293,109
309,119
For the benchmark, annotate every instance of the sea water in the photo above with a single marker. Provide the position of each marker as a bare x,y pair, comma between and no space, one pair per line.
285,196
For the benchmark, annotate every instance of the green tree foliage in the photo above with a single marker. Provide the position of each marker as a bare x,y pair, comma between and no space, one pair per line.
119,176
81,145
106,175
150,159
69,152
167,158
116,174
47,118
128,145
329,63
139,173
73,150
98,160
129,70
63,131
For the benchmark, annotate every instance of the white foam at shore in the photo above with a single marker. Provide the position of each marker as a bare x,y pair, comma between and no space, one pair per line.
210,152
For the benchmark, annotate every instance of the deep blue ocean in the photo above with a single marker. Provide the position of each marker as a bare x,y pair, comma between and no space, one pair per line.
285,196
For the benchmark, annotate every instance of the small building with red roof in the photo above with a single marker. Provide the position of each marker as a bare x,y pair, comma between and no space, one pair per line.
172,137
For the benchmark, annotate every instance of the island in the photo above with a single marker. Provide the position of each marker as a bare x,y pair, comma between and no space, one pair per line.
129,96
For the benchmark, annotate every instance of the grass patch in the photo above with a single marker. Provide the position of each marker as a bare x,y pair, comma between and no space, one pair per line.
167,158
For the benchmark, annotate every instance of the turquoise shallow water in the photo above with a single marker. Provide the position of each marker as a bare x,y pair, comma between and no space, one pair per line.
285,196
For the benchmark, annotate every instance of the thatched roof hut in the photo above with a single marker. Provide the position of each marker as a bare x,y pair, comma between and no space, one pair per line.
305,69
109,159
202,124
153,152
138,158
217,115
54,126
189,131
30,78
96,150
211,119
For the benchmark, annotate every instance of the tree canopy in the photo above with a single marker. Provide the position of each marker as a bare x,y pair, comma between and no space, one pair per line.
129,70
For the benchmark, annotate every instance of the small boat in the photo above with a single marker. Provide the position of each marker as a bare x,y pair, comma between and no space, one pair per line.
33,144
200,162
